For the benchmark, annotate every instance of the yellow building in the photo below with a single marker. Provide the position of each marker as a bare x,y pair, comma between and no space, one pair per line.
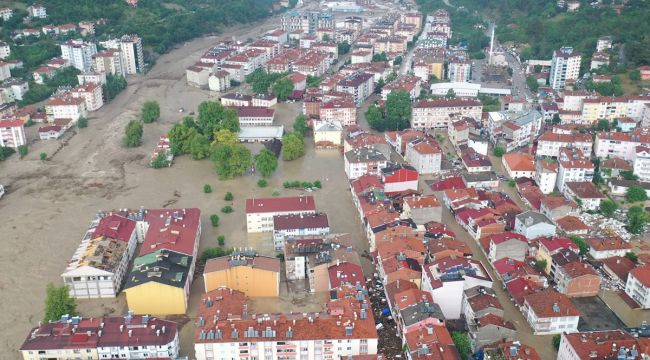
551,246
159,284
437,69
256,276
328,133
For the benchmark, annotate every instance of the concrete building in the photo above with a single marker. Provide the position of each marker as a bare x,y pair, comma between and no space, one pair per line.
459,69
620,144
12,133
365,160
227,330
638,285
236,99
429,114
550,143
65,107
641,163
91,93
507,245
339,110
532,225
255,116
577,279
132,55
105,337
100,263
328,134
546,175
287,226
609,247
565,65
219,81
610,344
261,211
519,165
5,50
360,85
37,11
573,167
245,271
399,178
421,209
79,54
109,62
549,312
585,193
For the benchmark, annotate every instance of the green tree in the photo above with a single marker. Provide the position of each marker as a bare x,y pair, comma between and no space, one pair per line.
557,338
398,60
262,183
581,243
602,125
199,147
637,218
221,240
450,94
231,160
160,161
293,146
512,183
58,302
150,112
556,119
228,196
628,175
82,123
380,57
207,188
462,344
227,209
313,81
133,134
214,220
532,83
636,193
398,110
300,124
379,86
607,207
114,85
43,156
541,265
344,48
5,152
213,253
498,151
23,150
375,118
224,137
283,88
635,75
632,256
266,162
214,116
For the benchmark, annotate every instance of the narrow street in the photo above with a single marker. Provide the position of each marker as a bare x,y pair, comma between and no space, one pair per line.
541,343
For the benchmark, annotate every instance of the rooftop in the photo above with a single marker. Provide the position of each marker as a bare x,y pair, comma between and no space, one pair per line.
549,303
243,258
280,204
171,229
302,221
585,190
162,266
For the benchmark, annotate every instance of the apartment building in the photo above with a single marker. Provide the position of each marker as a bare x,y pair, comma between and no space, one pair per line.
362,161
428,114
641,162
532,225
132,55
219,81
550,312
610,108
425,155
226,330
327,134
245,271
360,85
100,263
573,166
565,65
37,11
620,144
459,69
638,285
519,165
91,93
79,54
406,83
306,21
298,225
609,247
577,279
261,211
105,337
5,50
339,110
66,107
610,344
255,116
550,143
12,133
546,175
109,62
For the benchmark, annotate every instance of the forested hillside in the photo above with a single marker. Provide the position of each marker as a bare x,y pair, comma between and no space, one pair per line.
544,27
161,24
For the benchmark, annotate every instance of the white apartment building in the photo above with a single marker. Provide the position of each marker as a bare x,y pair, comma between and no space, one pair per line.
255,116
424,156
360,85
260,212
610,108
65,107
546,176
609,344
298,225
573,167
5,71
328,133
638,285
642,163
459,70
79,54
5,50
620,144
92,77
587,194
219,81
339,110
549,312
132,56
101,261
429,114
565,65
109,62
12,133
362,161
37,11
550,143
93,95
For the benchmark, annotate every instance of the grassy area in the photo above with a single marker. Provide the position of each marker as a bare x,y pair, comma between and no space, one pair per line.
629,87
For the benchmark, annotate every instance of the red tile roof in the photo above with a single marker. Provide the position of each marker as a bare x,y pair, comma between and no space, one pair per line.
345,273
454,182
280,204
558,243
543,304
303,221
11,123
642,274
172,229
619,265
612,243
115,227
571,223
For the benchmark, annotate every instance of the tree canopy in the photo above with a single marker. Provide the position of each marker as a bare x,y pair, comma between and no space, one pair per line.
636,193
150,111
231,160
283,88
214,116
607,207
300,124
265,162
293,146
58,302
398,110
637,218
133,134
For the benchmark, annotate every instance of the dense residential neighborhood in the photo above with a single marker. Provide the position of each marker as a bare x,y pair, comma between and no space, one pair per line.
366,179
